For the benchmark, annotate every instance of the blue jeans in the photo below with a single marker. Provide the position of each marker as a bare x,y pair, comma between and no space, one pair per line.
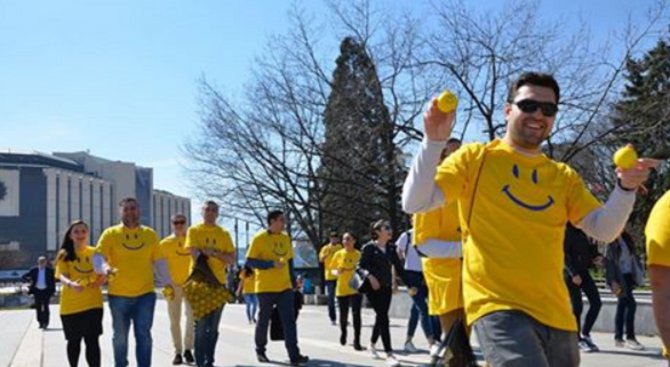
251,301
419,307
330,292
206,335
285,306
139,310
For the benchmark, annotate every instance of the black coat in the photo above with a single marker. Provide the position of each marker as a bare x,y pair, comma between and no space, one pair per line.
31,277
379,263
579,251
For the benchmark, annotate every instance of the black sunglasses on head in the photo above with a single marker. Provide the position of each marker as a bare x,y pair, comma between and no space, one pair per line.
549,109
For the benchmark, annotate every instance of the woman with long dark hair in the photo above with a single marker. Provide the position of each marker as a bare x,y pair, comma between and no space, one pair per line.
81,297
378,259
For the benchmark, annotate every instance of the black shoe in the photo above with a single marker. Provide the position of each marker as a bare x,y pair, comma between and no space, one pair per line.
262,358
177,360
358,346
299,360
343,339
188,357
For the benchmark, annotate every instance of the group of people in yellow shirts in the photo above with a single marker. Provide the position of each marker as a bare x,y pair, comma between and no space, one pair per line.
488,220
126,257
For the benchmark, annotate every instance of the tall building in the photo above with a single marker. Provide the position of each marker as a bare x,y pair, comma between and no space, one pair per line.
41,194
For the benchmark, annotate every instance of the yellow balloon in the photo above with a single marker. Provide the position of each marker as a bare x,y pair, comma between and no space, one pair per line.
447,101
626,157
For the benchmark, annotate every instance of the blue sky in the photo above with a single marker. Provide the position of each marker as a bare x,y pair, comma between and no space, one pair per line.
120,77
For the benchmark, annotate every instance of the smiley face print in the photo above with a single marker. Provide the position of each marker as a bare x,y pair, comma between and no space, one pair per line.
516,197
83,265
132,242
279,249
180,250
349,263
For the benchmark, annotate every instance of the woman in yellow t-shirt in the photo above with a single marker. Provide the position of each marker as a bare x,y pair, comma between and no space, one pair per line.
81,297
247,289
343,264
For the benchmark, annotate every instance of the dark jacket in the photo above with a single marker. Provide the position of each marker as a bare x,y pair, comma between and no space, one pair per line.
612,268
379,263
31,277
579,251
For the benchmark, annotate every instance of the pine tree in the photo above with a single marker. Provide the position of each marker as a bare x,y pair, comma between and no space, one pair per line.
360,164
643,119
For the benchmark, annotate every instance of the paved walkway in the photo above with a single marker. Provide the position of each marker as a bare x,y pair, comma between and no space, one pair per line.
24,345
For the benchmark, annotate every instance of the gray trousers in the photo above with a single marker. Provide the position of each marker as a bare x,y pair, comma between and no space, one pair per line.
514,339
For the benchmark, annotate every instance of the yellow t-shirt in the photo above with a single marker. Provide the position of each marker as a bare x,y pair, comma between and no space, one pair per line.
326,256
132,251
271,247
178,257
248,283
345,261
212,237
79,269
443,275
513,247
658,232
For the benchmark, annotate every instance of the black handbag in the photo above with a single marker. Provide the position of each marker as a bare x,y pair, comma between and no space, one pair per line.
359,283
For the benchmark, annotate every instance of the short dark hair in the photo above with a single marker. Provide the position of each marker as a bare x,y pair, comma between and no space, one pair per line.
273,215
454,140
533,78
127,200
177,215
210,203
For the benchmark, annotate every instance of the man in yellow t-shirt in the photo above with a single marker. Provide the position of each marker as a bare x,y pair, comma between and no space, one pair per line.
178,259
514,203
325,257
127,254
270,254
211,240
657,233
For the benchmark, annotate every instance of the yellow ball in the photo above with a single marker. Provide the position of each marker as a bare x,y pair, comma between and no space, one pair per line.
447,101
626,157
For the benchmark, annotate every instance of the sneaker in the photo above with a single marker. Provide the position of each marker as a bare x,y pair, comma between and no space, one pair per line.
392,361
262,358
587,339
584,346
619,343
300,360
634,345
373,351
188,357
410,348
177,360
358,346
333,322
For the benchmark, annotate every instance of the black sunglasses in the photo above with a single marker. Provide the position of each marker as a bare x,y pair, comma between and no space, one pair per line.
178,222
530,106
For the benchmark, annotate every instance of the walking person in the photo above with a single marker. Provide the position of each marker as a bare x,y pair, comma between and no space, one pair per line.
580,255
210,240
418,291
127,254
80,296
178,259
247,290
344,264
271,256
657,233
507,190
623,272
42,286
378,259
325,257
